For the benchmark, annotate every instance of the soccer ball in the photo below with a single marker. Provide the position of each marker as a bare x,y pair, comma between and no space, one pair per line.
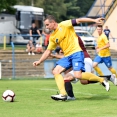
8,96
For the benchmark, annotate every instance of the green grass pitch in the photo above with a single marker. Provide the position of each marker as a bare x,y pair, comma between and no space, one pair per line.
33,100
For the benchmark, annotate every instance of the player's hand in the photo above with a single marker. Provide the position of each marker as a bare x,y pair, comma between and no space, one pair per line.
96,47
36,63
52,55
98,50
99,21
113,39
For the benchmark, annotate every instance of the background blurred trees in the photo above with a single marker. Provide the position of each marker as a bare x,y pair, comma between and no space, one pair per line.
54,7
5,5
61,9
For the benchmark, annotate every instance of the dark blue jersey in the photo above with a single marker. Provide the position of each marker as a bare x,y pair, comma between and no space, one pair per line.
107,31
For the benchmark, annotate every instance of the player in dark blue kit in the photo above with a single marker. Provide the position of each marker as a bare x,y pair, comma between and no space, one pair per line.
107,32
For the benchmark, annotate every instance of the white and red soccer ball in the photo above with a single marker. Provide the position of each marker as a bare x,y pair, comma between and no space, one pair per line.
8,96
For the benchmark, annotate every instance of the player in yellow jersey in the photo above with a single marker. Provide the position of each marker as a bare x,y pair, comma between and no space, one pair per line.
104,55
64,35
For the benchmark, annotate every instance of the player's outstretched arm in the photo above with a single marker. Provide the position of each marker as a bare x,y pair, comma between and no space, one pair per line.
45,55
57,56
111,36
98,20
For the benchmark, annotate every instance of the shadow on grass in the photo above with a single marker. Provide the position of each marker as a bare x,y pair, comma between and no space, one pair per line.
97,97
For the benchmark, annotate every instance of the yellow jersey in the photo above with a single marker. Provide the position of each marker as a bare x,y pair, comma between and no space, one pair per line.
65,37
101,42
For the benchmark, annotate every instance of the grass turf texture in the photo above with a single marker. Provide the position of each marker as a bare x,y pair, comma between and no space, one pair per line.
33,100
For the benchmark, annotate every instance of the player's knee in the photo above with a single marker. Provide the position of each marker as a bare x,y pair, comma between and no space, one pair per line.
70,77
79,76
95,65
55,72
109,68
84,82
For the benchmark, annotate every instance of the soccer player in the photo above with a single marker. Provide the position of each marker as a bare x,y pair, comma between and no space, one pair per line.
103,52
69,76
64,35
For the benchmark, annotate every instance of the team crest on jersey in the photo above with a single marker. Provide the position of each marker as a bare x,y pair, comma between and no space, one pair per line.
60,29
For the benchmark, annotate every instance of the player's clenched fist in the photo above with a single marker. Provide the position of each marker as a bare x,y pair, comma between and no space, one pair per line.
99,21
36,63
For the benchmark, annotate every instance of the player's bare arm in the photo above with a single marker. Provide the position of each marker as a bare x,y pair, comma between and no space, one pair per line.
45,55
81,20
57,56
111,36
104,47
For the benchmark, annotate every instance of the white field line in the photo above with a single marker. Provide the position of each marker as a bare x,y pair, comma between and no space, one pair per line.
55,90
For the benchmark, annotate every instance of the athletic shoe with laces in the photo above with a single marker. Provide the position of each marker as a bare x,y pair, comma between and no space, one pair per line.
70,98
106,85
59,97
113,79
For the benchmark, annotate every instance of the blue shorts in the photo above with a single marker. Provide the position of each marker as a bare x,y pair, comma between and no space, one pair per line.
106,60
76,61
